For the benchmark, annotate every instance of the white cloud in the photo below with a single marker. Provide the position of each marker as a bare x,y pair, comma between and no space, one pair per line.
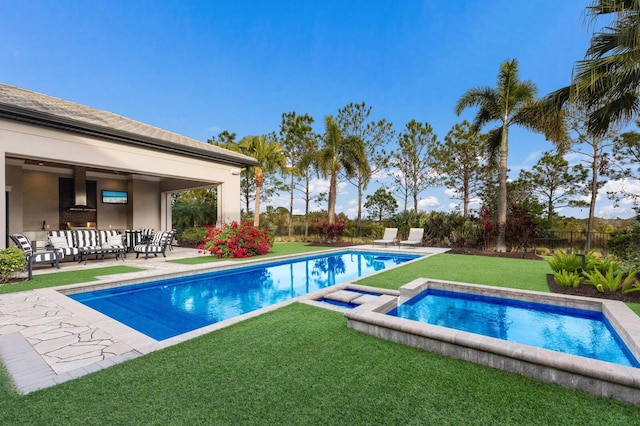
213,129
428,203
531,159
612,212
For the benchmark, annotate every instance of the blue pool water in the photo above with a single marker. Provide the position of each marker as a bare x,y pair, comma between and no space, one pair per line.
573,331
166,308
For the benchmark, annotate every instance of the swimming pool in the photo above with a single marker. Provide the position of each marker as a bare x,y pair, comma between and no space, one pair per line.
579,332
602,378
166,308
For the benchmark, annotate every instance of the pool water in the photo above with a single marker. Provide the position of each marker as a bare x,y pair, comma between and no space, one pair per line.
569,330
167,308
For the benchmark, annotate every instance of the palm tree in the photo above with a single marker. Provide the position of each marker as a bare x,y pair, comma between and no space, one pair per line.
339,154
512,102
606,83
269,157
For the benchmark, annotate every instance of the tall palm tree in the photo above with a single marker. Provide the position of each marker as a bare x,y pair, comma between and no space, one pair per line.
512,102
339,154
606,83
269,156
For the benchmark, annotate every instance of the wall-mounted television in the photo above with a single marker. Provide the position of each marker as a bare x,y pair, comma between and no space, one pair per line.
114,197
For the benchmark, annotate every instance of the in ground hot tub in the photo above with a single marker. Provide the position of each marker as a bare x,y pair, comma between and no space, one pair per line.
622,382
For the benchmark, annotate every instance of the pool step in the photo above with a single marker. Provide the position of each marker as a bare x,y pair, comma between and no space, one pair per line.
348,298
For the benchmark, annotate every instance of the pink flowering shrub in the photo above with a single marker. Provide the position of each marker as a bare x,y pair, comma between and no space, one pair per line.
329,232
236,240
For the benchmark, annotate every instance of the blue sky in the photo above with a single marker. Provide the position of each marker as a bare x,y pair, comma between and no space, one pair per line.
197,68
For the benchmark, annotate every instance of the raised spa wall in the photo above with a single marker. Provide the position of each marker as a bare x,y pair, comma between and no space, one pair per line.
600,378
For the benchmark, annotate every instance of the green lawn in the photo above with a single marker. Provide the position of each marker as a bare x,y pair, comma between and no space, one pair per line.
64,278
302,365
513,273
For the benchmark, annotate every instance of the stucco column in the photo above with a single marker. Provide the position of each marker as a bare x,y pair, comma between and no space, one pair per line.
165,211
228,200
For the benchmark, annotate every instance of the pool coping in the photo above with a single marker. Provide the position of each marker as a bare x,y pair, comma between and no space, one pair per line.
593,376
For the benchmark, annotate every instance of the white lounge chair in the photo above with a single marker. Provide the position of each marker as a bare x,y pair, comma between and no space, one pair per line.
415,237
389,237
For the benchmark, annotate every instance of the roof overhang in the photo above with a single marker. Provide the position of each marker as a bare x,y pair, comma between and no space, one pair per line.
39,118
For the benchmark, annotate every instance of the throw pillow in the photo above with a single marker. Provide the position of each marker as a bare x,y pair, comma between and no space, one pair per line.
114,240
59,242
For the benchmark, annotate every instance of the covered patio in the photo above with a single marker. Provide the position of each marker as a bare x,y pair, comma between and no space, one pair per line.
69,165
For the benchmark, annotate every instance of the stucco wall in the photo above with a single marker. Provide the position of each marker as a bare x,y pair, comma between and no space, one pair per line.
35,197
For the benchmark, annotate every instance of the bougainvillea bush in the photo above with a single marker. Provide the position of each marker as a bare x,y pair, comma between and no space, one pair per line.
329,232
236,240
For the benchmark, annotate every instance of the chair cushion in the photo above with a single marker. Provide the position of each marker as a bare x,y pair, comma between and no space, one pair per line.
87,238
144,248
42,257
59,242
68,251
22,242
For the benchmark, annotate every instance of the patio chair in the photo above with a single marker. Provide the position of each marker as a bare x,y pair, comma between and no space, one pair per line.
51,256
157,245
389,237
415,238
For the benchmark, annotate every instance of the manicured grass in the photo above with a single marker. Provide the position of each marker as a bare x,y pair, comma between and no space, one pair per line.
512,273
302,365
64,278
278,249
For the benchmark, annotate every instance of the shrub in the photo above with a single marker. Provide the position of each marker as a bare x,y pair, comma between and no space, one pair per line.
567,279
601,265
625,243
193,236
11,260
236,240
329,232
563,261
612,281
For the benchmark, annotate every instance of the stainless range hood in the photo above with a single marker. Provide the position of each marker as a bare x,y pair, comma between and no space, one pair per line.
80,191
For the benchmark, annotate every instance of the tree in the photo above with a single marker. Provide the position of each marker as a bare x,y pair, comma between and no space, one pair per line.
412,159
269,156
194,208
511,102
300,144
607,81
462,163
338,155
554,183
227,140
594,149
381,205
375,136
626,155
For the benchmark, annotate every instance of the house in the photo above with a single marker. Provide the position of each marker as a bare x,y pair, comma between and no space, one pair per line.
66,164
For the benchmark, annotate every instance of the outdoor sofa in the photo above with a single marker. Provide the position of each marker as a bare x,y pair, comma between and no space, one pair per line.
82,243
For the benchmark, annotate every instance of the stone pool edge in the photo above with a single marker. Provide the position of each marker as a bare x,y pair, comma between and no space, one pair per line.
600,378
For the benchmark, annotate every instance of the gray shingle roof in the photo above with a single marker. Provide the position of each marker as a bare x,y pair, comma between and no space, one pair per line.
36,108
